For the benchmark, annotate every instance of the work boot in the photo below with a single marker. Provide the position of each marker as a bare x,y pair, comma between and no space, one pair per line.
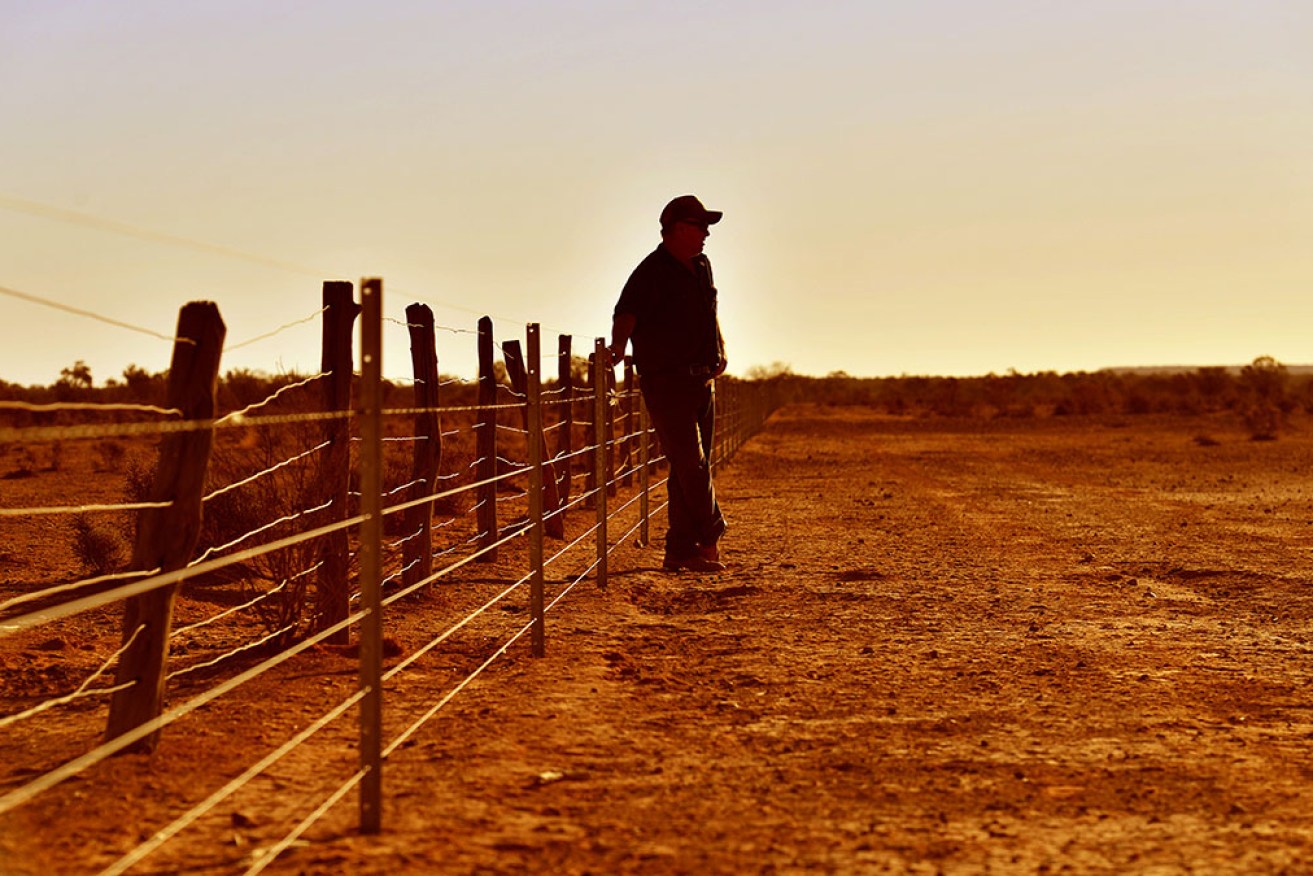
692,563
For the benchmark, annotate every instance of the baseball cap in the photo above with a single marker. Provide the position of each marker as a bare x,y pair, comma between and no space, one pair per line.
687,208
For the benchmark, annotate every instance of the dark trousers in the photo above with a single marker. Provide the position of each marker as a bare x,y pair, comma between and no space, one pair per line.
683,412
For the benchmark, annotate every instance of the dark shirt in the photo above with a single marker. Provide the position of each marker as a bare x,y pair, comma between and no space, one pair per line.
675,327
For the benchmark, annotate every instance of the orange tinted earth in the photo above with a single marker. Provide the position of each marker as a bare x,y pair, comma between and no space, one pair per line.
942,646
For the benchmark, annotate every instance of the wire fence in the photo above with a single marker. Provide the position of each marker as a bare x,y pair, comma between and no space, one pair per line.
302,519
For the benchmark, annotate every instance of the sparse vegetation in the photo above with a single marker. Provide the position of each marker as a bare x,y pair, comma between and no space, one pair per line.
97,546
1261,395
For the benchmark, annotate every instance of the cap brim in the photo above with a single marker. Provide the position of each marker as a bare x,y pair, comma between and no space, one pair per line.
713,216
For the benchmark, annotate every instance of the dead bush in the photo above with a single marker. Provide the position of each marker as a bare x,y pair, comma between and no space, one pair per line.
24,465
109,456
1263,421
96,546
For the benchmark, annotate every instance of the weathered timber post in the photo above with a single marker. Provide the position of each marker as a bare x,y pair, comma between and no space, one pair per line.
418,549
644,475
485,468
629,428
533,436
337,362
609,383
538,479
601,367
593,432
166,537
565,443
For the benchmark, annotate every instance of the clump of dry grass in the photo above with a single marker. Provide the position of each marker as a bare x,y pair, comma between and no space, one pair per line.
96,546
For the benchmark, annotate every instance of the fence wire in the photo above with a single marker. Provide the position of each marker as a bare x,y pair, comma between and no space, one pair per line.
620,416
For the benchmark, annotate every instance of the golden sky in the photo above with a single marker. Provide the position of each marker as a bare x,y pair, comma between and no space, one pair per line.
929,188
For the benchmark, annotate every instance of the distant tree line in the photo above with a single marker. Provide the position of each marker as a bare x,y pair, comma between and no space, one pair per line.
1263,392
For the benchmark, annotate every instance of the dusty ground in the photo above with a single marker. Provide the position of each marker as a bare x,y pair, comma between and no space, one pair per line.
1018,646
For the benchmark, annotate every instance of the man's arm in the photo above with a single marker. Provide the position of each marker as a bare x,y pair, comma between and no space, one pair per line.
720,351
622,328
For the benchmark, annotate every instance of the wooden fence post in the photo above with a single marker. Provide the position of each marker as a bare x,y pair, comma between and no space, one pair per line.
486,429
608,383
418,549
629,428
565,443
533,435
601,367
644,475
538,481
371,554
593,433
166,537
337,362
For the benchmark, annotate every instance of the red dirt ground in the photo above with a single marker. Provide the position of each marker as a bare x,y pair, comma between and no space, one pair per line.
1007,646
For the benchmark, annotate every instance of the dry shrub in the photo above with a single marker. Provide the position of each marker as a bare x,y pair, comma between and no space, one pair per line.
56,456
24,465
109,456
96,546
283,494
1263,422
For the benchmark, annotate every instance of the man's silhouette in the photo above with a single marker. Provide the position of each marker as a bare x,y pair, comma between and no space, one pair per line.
668,310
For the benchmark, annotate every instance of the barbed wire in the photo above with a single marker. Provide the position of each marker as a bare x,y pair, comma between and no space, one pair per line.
245,605
164,579
78,311
515,531
282,328
45,781
121,430
220,548
82,690
400,572
447,570
270,470
227,654
237,416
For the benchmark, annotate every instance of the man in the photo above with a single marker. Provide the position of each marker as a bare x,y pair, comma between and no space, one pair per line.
668,310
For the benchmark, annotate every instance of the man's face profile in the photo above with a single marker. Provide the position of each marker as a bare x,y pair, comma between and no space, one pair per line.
685,238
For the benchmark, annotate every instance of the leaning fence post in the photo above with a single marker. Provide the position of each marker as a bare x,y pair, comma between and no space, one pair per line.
536,448
371,554
486,430
337,363
565,443
167,536
601,367
418,550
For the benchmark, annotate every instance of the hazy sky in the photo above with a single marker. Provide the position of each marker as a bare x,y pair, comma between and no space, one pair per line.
926,187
